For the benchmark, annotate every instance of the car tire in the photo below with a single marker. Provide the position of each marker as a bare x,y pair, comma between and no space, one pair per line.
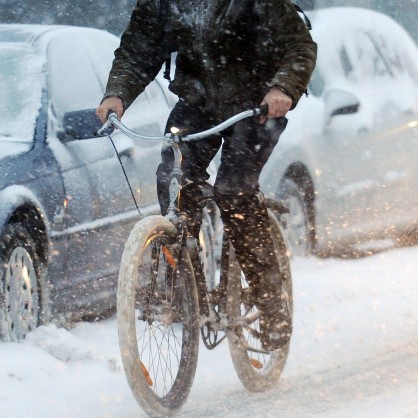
297,223
22,297
408,239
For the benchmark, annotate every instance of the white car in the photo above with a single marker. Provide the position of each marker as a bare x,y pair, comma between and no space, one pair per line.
347,164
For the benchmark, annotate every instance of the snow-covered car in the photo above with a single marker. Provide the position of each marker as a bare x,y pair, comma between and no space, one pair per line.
347,164
65,206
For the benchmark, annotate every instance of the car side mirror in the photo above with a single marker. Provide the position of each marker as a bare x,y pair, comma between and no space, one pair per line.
80,124
340,102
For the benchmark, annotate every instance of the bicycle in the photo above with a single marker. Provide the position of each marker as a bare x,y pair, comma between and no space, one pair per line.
170,286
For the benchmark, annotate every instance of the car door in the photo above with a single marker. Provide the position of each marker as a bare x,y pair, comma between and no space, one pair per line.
133,174
99,206
148,116
348,170
372,166
395,86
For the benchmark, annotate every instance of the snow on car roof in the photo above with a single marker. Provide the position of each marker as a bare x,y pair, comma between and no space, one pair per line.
339,19
28,33
22,33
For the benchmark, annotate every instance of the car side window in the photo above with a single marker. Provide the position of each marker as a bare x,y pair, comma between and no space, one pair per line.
140,113
345,61
317,83
155,93
74,84
412,68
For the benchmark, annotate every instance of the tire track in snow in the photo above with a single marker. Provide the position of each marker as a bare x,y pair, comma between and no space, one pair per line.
355,387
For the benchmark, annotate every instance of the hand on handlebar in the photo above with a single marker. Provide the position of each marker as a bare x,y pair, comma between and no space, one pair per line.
278,103
112,119
110,105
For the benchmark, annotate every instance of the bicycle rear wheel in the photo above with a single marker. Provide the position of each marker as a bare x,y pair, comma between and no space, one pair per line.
257,368
157,317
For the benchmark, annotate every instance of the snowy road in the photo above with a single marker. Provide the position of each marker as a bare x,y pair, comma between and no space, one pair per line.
354,353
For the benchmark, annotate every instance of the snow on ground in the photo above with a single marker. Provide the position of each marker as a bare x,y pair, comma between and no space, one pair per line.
354,352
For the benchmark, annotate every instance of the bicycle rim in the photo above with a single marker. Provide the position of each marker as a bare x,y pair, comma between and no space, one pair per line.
157,317
257,368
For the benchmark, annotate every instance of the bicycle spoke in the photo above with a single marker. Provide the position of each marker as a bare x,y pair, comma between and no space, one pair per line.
157,346
160,330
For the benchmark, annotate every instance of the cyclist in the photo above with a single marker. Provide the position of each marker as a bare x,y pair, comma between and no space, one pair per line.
230,55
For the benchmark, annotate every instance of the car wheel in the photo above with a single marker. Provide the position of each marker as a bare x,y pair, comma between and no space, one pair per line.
20,275
408,239
297,225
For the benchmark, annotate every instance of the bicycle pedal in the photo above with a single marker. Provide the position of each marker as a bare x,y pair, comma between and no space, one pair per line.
211,338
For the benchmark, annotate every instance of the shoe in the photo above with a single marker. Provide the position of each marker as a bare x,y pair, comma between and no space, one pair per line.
275,318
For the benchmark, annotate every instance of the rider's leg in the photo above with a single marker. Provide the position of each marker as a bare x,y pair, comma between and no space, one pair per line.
245,151
196,158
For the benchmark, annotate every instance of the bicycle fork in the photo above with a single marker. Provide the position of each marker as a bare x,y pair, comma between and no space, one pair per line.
176,178
212,305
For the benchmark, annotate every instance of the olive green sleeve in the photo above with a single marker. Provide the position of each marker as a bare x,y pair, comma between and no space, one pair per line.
139,56
294,50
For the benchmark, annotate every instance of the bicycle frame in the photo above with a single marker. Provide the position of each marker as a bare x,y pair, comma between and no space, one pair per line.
213,322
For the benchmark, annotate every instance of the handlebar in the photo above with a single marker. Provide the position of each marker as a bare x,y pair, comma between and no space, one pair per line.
112,120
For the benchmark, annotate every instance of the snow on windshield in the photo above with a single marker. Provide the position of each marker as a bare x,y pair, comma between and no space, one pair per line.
21,90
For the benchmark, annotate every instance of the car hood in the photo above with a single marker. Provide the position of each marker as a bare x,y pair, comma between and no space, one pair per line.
10,149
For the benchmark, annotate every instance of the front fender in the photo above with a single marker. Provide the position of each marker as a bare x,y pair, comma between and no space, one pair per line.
16,196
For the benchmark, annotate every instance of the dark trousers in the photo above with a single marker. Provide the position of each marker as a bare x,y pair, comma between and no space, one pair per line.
246,148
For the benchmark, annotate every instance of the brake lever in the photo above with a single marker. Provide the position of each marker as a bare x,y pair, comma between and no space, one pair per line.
107,127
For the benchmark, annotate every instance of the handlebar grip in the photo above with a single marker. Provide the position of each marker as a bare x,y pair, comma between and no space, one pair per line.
261,111
107,127
264,109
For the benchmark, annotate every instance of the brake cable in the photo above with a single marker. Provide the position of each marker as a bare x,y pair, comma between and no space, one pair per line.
124,172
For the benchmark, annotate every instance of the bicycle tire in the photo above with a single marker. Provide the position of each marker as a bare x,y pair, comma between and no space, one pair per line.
209,245
157,317
257,370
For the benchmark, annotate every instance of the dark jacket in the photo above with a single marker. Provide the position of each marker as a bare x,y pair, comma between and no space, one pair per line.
229,51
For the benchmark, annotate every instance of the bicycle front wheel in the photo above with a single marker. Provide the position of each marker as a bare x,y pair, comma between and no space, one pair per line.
157,317
257,368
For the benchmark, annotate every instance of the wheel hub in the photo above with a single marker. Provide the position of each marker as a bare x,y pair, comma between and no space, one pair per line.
21,294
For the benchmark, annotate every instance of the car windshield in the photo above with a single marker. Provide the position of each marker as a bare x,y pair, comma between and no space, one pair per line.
20,89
